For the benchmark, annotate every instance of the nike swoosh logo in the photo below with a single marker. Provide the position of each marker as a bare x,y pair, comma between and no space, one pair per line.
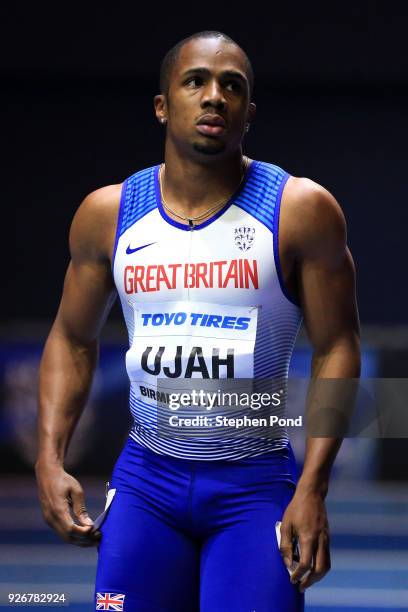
129,251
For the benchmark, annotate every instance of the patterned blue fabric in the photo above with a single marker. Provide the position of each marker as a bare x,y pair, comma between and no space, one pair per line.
260,196
139,198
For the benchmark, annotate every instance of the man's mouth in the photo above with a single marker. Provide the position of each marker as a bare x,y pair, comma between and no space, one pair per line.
211,125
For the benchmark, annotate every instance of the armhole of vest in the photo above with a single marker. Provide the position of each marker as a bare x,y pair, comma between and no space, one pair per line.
276,217
119,222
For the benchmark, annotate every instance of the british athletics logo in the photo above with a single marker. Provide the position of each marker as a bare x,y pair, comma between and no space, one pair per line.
110,601
244,237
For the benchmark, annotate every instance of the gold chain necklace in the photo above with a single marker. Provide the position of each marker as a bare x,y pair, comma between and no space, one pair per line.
191,220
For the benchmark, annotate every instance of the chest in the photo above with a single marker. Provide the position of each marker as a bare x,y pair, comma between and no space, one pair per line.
231,261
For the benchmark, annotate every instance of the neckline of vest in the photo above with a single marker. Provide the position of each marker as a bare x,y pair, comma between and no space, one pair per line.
211,219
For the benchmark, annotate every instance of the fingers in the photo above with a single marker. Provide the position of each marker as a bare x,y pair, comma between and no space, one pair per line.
81,532
307,546
79,507
321,565
92,538
59,492
57,515
78,534
59,518
285,547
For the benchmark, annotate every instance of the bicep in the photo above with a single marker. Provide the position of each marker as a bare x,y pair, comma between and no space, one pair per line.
89,290
328,299
326,274
87,298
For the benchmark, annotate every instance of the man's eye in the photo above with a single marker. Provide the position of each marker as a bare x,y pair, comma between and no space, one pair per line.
194,82
233,86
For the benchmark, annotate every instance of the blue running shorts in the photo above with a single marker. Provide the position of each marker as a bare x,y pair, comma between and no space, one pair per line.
196,536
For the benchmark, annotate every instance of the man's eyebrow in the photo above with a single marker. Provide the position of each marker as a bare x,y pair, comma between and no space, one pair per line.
205,72
198,70
235,75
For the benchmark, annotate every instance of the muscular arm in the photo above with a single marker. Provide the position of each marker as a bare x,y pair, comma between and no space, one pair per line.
326,286
70,357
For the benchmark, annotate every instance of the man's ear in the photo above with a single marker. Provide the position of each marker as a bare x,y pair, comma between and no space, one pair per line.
160,108
251,112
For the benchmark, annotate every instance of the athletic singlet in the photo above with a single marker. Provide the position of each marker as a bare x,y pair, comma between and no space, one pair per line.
207,302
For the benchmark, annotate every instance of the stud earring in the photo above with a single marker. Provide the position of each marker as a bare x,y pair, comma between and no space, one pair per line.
247,126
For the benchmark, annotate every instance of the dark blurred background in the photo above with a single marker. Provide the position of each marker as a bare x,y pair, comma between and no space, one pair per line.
331,89
332,95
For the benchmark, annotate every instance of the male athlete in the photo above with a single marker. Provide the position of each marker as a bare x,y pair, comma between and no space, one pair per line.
216,258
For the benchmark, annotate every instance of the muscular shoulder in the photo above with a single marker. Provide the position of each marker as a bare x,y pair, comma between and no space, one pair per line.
311,219
93,228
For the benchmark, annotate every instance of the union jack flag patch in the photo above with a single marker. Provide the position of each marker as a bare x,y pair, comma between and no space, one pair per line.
110,601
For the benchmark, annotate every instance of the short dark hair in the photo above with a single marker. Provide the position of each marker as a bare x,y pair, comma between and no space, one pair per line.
171,56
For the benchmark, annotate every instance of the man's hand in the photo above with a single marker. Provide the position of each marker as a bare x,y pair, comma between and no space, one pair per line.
59,493
306,518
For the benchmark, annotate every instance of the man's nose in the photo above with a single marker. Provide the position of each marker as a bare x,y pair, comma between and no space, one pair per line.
213,95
